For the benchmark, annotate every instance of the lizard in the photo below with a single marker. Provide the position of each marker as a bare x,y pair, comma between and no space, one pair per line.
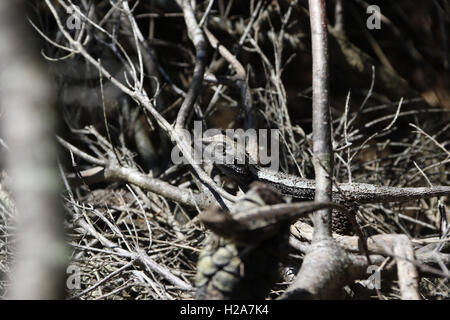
246,170
241,256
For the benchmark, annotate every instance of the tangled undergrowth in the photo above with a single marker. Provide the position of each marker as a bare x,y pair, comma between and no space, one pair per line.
132,241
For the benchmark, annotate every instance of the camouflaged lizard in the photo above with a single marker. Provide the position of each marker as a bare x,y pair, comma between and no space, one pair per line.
245,169
240,259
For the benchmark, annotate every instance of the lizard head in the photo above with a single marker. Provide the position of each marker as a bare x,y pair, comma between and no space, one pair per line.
223,150
228,156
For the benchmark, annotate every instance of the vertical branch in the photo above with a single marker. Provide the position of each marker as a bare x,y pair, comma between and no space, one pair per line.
198,39
322,147
408,277
325,267
27,124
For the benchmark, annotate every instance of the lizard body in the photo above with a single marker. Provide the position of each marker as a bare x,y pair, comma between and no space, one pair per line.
302,188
